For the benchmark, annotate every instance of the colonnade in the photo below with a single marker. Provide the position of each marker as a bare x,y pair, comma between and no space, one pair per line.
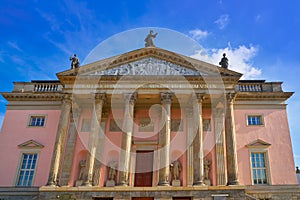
195,162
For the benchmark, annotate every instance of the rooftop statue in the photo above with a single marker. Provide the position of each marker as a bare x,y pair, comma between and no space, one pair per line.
75,61
149,39
224,61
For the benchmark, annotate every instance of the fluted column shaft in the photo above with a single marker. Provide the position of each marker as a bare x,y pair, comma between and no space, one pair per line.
164,139
70,146
190,138
130,100
93,137
220,148
198,141
60,140
231,153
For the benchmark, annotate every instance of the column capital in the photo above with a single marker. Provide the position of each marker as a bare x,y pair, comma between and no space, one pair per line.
230,97
166,97
199,97
99,97
130,97
66,98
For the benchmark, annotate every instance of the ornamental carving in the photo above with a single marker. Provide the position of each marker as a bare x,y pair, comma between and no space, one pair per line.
149,66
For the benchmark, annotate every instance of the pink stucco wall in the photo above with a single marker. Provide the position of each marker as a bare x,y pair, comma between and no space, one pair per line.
275,131
14,132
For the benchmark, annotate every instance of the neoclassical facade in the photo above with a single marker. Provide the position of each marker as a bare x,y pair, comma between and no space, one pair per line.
147,124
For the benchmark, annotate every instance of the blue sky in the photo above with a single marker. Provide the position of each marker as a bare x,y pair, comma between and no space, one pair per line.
261,38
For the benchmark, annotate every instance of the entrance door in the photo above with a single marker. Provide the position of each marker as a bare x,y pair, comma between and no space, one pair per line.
143,169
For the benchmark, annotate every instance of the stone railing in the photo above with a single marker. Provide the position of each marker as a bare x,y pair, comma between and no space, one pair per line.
258,86
250,87
46,87
37,86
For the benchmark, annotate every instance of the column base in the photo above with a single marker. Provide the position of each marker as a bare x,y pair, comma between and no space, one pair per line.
199,183
124,184
164,183
234,182
51,184
87,183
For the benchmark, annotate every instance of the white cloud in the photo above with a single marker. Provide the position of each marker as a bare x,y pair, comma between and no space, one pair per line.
223,21
239,59
14,45
198,34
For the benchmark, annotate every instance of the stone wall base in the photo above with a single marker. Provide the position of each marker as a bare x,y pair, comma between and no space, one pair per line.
291,192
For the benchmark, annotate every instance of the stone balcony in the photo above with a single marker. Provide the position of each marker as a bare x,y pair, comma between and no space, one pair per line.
258,86
37,86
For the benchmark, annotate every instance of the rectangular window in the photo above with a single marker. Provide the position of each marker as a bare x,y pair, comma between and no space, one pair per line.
37,121
258,161
115,125
27,170
206,125
86,125
255,120
176,125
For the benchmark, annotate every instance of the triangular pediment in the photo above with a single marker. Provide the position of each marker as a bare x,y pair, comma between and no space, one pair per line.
149,66
150,61
258,143
32,144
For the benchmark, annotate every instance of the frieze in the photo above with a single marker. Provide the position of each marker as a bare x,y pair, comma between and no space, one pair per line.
149,66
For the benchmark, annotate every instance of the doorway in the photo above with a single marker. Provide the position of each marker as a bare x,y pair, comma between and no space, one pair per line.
143,169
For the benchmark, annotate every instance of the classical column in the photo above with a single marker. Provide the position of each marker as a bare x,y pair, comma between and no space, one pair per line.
190,138
220,148
231,153
164,139
60,140
124,164
71,141
198,141
93,137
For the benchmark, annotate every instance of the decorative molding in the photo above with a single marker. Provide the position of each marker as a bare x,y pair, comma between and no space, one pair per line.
258,144
31,144
149,66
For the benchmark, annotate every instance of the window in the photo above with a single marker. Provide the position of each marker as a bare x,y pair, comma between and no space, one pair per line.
27,169
176,125
37,121
86,125
258,162
206,125
254,120
115,125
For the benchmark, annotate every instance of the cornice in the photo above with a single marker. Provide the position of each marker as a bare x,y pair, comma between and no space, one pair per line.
155,52
10,96
246,96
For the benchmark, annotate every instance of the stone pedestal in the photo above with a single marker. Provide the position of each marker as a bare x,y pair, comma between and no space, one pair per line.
110,183
78,183
176,183
207,182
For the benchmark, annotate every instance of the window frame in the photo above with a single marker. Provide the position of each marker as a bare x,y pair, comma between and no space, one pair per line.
263,150
19,166
255,115
36,115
